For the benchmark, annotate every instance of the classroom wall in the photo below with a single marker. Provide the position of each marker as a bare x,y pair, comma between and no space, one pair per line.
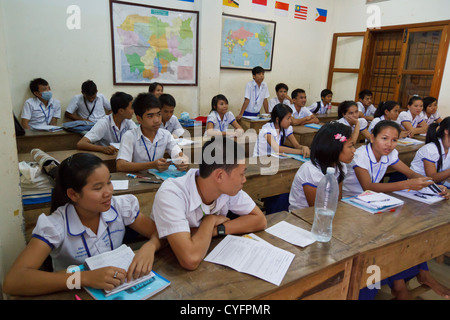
353,17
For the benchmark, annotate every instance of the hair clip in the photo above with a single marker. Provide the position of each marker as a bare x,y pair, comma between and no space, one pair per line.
340,137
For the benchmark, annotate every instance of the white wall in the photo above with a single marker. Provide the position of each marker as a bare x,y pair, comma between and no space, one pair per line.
351,16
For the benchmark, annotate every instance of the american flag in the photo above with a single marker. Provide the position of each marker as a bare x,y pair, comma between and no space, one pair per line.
300,12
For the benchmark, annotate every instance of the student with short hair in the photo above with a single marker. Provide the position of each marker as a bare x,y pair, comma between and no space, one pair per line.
432,160
365,107
220,118
413,119
42,109
324,105
89,105
430,110
190,210
348,115
156,88
331,147
256,94
86,220
272,136
111,128
168,120
281,90
144,147
301,114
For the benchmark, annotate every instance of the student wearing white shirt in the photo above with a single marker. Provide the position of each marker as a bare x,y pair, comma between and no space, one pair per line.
168,120
87,220
42,109
189,211
365,107
144,147
387,110
331,147
413,120
256,94
432,160
348,115
430,113
281,90
273,134
89,105
111,128
220,118
366,173
323,106
301,115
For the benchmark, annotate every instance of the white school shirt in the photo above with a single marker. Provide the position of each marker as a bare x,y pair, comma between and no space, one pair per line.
105,131
72,242
406,116
173,126
304,112
435,116
39,114
374,122
262,147
323,108
220,125
78,105
362,123
364,158
430,153
370,110
274,101
256,95
179,207
135,147
307,174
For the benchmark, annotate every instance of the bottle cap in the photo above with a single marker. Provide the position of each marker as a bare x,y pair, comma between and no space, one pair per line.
330,170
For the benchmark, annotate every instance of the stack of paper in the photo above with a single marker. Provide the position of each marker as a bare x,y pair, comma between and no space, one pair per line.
374,202
424,195
44,127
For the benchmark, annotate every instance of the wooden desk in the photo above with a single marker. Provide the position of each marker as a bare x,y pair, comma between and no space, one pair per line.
328,117
47,141
304,135
257,186
253,124
319,271
110,160
394,241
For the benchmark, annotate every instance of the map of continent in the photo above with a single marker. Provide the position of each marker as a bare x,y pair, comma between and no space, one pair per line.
154,45
246,44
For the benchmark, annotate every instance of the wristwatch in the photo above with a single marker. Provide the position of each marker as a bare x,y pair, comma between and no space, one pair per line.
221,230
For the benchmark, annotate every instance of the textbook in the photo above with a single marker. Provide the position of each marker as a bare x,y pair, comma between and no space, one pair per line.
374,202
313,125
138,289
172,172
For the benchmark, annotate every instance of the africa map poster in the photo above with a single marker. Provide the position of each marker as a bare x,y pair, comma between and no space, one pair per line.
246,43
153,44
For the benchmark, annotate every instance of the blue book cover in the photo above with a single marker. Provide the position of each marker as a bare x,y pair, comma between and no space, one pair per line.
313,125
150,286
298,157
172,172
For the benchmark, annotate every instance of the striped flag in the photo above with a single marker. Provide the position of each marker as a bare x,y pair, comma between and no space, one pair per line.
300,12
281,8
259,5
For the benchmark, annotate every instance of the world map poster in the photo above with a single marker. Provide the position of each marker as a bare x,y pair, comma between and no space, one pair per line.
246,43
153,44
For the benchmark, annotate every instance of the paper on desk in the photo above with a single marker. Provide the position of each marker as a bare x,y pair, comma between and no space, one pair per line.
292,234
185,142
252,257
44,127
120,184
408,141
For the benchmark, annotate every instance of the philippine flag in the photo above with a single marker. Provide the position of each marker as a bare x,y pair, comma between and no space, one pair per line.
259,5
321,15
281,8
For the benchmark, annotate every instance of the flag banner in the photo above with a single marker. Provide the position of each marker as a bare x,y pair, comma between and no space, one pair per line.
321,15
300,12
281,8
231,3
259,5
187,0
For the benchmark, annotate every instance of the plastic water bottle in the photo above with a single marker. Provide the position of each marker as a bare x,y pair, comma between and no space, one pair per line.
325,206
